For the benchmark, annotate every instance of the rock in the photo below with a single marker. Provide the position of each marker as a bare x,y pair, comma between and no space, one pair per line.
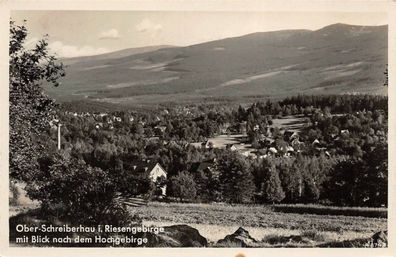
240,238
380,239
177,236
293,239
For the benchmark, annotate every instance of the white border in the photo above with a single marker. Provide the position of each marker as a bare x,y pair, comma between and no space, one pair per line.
191,5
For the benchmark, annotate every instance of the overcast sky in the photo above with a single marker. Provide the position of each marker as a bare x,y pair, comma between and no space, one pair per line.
81,33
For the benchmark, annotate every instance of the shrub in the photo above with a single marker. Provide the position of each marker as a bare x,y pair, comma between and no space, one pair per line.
314,235
84,194
183,186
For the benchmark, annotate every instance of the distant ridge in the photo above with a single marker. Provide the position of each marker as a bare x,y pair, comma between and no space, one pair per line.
344,26
114,55
336,59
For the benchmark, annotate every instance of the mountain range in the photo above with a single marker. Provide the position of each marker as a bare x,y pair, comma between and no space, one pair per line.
336,59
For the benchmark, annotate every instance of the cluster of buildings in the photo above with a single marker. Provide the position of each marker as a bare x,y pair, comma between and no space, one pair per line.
267,145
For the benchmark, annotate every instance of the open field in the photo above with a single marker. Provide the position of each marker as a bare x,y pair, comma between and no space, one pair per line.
291,123
238,140
280,225
222,141
215,221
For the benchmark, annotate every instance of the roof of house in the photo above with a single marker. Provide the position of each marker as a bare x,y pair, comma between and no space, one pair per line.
161,127
141,166
316,141
289,149
201,166
290,132
196,144
231,146
296,141
268,139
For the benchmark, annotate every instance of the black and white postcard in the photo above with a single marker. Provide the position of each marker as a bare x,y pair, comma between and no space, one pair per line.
190,128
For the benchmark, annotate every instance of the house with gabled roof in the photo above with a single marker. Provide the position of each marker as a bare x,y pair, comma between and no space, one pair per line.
225,128
344,131
152,169
197,144
272,150
207,167
267,142
209,144
159,129
297,145
231,147
315,142
289,135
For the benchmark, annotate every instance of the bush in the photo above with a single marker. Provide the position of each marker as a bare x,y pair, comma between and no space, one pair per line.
314,235
183,186
85,194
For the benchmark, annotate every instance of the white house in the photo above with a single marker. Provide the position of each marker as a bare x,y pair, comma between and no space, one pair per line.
156,172
153,170
273,150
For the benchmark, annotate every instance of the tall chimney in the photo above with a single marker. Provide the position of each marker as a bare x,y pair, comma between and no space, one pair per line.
59,136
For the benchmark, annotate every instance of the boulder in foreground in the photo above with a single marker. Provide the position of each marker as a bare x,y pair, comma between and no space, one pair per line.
240,238
380,239
177,236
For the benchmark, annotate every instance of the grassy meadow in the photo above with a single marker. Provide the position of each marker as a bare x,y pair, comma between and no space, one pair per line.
270,227
282,225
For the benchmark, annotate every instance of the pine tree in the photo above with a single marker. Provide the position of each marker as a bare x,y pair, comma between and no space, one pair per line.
236,178
272,187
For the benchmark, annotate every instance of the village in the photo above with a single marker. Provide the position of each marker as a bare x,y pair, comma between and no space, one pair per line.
233,138
280,139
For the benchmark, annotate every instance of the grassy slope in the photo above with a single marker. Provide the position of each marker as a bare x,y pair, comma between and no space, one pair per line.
214,221
255,216
272,229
